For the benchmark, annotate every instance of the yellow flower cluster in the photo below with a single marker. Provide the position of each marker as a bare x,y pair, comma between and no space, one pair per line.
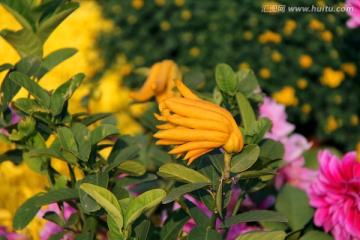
265,73
196,126
331,124
315,24
349,68
302,83
86,60
289,27
269,37
331,77
305,61
286,96
276,56
18,183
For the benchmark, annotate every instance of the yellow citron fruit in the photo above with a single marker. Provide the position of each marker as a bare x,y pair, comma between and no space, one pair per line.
196,126
160,82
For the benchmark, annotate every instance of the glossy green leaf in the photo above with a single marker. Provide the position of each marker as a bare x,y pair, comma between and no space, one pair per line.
103,131
53,217
256,173
245,159
6,66
142,203
181,173
200,232
254,216
106,200
94,118
294,204
48,26
82,137
40,94
67,140
271,150
132,168
25,42
246,111
206,168
225,78
174,224
246,81
313,234
124,154
219,199
262,235
88,204
53,59
129,180
257,130
48,152
30,106
37,164
179,191
26,212
141,230
64,92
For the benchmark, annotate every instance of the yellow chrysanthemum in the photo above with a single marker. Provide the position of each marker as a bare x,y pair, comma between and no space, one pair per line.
331,124
194,52
302,83
286,96
331,77
276,56
305,61
354,120
186,15
196,126
349,68
269,37
165,26
265,73
289,27
327,36
137,4
179,3
306,108
315,24
248,35
244,66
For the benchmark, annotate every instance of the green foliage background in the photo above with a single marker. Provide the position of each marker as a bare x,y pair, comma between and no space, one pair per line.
200,34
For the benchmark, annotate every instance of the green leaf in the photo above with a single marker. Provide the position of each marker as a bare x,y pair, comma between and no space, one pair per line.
219,200
37,164
181,173
57,236
271,150
128,180
82,137
20,10
53,59
262,235
257,130
204,233
94,118
142,203
30,106
53,217
132,168
68,143
12,155
179,191
246,111
64,93
141,230
173,225
48,26
6,66
84,236
225,78
246,81
245,159
47,152
88,203
294,204
24,41
101,132
199,216
105,199
124,154
26,212
257,173
32,87
254,216
206,168
313,234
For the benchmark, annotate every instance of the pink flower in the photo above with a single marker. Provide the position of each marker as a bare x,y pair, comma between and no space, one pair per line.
336,195
11,235
276,113
51,228
353,9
